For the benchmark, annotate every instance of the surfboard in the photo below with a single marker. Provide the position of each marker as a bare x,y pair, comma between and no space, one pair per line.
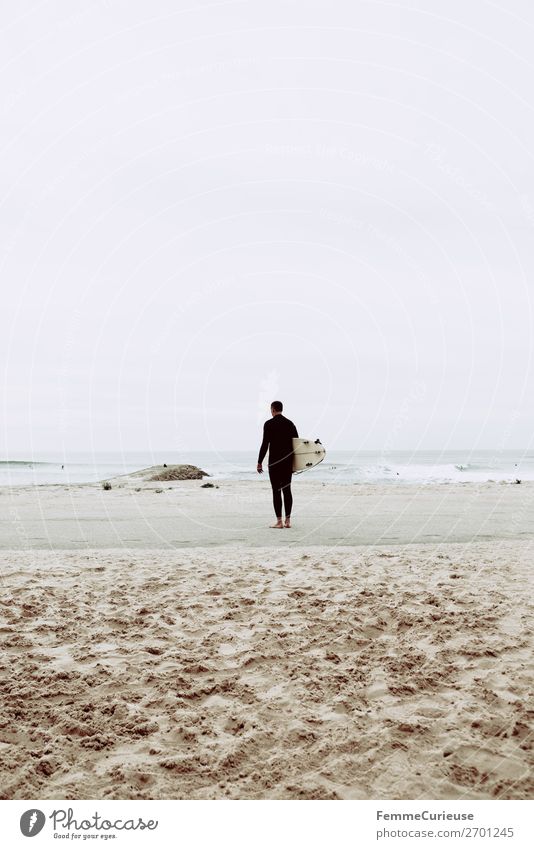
307,453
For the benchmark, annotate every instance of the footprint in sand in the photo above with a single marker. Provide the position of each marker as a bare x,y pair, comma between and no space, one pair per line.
486,761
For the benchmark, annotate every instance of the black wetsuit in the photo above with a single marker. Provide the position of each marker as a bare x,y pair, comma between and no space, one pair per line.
278,433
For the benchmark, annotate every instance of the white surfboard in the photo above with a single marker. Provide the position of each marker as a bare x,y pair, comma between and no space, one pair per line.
306,454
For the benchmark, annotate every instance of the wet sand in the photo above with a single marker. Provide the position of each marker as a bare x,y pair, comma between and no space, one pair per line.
182,514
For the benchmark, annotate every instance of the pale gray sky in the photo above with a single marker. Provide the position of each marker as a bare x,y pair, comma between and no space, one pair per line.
205,206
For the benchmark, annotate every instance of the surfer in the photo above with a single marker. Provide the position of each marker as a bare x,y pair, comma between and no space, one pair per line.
278,433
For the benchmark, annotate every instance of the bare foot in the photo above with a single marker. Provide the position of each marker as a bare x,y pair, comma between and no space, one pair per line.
287,523
278,524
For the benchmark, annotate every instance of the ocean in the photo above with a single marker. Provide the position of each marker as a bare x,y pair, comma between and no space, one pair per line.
346,467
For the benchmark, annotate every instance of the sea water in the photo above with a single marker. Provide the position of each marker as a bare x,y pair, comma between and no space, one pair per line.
346,467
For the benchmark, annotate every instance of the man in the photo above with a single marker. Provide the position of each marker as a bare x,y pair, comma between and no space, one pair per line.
278,433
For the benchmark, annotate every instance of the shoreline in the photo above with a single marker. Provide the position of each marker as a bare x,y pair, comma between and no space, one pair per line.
442,471
252,481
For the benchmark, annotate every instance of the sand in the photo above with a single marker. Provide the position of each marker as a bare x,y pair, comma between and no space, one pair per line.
286,670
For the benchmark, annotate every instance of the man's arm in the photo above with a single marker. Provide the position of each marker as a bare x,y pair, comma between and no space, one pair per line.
264,445
294,434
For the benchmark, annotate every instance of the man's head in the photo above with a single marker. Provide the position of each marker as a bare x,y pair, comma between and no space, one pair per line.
276,408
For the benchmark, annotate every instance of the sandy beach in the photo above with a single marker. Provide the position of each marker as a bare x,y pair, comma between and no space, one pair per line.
140,513
167,644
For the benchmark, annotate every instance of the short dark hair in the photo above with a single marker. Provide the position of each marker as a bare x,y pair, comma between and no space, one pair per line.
277,406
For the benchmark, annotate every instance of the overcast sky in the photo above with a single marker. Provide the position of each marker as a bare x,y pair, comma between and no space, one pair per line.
207,206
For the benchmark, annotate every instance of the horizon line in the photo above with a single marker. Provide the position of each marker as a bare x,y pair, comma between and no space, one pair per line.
182,451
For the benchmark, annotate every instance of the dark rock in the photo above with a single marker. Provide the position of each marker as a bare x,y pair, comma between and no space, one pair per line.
177,473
